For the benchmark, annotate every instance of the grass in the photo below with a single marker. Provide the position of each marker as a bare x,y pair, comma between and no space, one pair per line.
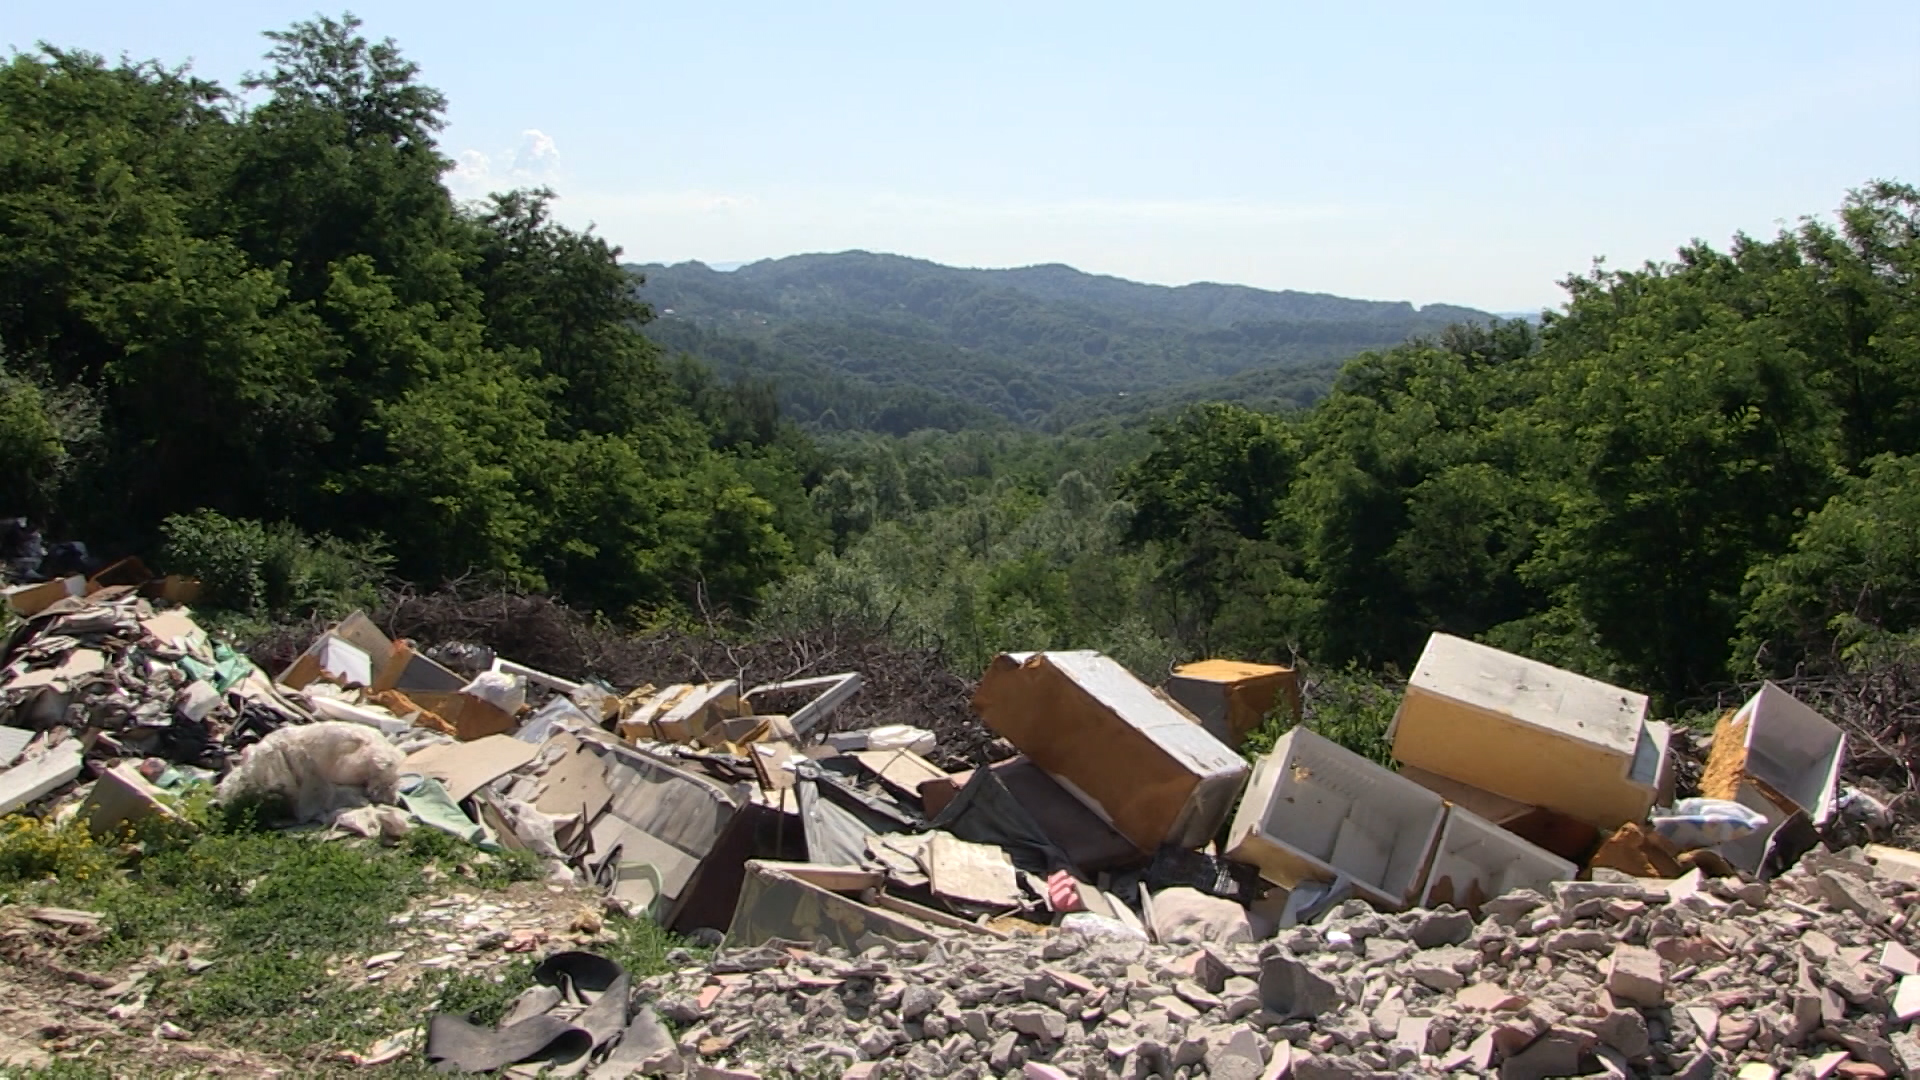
273,911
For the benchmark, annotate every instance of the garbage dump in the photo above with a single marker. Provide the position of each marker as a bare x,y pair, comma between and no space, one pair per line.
1115,892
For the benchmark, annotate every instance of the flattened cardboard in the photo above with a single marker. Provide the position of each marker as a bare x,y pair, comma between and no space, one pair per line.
76,665
902,770
465,767
128,571
175,629
575,784
470,717
971,875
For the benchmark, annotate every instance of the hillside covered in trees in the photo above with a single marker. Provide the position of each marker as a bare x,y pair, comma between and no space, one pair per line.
857,341
255,338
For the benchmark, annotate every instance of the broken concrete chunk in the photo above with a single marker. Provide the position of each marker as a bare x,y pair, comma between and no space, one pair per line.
1638,976
1488,997
1290,988
1849,893
1442,927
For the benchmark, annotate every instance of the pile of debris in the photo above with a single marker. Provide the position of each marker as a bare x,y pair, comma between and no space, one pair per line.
1694,977
1367,918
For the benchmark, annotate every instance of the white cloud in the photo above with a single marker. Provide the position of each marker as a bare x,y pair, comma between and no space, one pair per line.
535,163
537,154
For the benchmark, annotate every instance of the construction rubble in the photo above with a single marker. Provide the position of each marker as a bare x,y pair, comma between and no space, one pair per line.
1117,892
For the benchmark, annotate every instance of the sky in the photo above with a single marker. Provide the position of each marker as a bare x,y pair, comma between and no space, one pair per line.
1471,153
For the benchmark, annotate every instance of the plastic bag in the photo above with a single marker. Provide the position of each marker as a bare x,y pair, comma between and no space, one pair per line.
1099,926
1703,823
498,689
317,769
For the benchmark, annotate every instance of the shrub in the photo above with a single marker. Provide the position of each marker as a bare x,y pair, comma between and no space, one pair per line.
273,569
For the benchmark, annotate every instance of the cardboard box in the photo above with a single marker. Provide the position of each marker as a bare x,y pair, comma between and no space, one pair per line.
1132,755
1232,697
1531,732
30,600
1316,811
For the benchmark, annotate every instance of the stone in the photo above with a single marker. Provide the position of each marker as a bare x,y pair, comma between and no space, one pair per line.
1488,997
1735,1033
1906,999
1329,1067
1442,926
1035,1070
1513,906
1001,1056
1850,893
1562,942
1415,1035
1235,1053
1906,1051
1293,990
1626,1031
1757,1070
1435,976
1442,968
977,1025
1898,961
1860,1070
875,1042
1039,1022
1195,995
1637,975
1557,1053
1279,1061
1175,1008
1189,916
918,1001
1854,981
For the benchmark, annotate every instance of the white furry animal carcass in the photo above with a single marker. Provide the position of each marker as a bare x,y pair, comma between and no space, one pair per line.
318,769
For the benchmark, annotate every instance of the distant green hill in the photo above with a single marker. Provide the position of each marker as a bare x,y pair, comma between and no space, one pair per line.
886,343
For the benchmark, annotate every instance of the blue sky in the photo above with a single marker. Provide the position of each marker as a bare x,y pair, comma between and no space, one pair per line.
1468,153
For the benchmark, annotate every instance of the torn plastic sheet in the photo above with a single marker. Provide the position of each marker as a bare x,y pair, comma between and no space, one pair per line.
427,799
985,812
1311,899
841,782
836,835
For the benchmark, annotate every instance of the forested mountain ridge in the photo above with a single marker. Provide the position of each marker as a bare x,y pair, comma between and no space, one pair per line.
909,343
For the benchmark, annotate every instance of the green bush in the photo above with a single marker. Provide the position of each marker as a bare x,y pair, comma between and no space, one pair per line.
272,569
1352,707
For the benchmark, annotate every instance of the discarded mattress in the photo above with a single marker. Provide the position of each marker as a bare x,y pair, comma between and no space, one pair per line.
1127,751
1531,732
